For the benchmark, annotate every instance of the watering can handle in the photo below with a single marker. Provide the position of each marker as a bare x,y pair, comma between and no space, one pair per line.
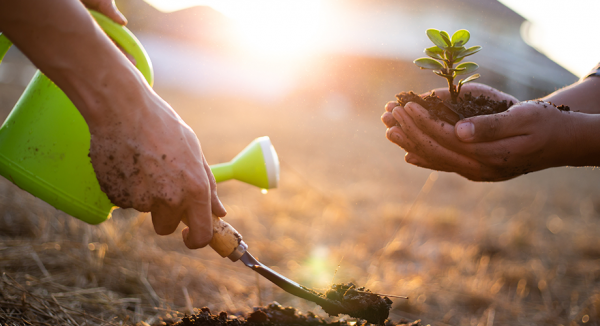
117,33
5,44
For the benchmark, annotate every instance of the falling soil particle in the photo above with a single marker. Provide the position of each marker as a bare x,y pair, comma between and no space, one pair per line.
272,315
467,106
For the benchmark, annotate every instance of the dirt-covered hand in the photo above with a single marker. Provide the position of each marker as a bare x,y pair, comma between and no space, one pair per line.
108,8
530,136
143,154
149,159
475,89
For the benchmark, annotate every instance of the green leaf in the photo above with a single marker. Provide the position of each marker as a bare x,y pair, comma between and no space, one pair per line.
469,67
453,52
427,63
470,51
460,37
439,73
437,39
469,79
446,37
435,52
466,68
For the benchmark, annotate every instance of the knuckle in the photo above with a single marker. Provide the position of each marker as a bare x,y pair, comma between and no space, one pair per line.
201,185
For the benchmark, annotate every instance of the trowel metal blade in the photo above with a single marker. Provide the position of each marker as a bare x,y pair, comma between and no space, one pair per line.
290,286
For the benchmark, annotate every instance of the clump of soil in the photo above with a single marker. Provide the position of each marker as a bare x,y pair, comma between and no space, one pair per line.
272,315
467,106
360,302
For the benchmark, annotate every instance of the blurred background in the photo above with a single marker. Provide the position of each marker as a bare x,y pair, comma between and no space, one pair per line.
314,75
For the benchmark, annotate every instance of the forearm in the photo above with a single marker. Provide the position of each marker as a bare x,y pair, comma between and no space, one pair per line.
577,144
62,40
582,96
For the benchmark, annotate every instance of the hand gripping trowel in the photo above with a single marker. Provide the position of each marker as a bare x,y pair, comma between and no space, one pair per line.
258,165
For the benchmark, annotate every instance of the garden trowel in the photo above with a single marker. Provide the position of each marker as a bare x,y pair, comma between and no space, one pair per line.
228,242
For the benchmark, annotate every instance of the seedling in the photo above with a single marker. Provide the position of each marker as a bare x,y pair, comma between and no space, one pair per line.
447,52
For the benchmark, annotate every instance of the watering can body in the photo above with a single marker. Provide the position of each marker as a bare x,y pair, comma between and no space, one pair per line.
45,142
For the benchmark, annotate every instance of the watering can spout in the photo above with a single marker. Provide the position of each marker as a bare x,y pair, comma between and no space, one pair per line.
257,164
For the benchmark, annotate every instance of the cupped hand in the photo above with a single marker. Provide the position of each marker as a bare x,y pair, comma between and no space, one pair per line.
475,89
107,8
530,136
147,158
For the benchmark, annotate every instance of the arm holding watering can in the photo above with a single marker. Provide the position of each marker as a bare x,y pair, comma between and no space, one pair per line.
144,155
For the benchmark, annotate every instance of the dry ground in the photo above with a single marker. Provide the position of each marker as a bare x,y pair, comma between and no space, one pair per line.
348,208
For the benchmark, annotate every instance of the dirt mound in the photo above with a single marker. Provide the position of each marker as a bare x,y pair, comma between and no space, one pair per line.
467,106
361,302
271,315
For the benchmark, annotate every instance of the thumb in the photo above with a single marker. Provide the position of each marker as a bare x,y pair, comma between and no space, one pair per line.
491,127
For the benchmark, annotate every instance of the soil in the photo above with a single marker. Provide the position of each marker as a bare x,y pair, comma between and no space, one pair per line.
272,315
467,106
360,302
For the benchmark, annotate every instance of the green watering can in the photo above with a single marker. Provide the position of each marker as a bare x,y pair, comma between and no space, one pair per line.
45,142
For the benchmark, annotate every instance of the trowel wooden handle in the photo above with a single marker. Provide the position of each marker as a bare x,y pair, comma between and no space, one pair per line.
225,239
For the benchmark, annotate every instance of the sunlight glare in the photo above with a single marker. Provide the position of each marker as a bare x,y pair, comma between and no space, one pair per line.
561,30
276,27
319,267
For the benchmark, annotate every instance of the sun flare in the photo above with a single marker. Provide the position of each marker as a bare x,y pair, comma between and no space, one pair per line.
276,27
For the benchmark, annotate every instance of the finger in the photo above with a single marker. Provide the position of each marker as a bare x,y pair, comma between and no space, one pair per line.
421,144
389,106
107,8
398,137
198,219
473,172
441,131
215,203
487,128
199,231
388,119
165,219
442,93
477,89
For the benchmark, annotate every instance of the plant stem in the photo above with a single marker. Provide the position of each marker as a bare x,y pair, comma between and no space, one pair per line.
451,87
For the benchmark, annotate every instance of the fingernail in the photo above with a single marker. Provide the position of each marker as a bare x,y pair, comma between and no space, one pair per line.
395,134
397,116
465,130
122,17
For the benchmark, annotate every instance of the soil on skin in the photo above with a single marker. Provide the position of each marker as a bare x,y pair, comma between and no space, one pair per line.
467,106
272,315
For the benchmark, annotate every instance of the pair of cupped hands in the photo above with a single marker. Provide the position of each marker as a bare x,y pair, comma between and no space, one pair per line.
529,136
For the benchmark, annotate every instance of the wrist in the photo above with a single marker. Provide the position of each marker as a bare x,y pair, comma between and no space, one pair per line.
582,96
105,91
579,139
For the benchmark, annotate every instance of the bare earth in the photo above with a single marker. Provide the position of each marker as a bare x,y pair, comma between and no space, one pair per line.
348,209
